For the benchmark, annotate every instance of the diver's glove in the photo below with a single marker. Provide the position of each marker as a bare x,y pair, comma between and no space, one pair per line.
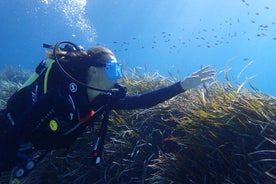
119,91
204,75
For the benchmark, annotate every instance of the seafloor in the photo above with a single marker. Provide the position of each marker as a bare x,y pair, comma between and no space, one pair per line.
220,133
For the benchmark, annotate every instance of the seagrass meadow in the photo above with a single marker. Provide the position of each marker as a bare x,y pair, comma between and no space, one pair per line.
215,134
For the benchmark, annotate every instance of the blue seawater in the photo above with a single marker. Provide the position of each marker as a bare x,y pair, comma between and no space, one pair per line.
180,36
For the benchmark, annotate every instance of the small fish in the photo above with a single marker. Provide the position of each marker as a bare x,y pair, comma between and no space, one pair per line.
171,138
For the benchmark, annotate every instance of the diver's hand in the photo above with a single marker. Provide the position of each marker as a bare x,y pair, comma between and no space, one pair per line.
199,77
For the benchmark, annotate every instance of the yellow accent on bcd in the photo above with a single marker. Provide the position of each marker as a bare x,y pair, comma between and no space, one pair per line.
53,125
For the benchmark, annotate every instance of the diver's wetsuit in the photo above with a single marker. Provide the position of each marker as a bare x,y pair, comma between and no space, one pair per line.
30,110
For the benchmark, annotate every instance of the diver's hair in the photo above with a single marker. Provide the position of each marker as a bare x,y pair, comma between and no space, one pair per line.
77,63
96,54
99,54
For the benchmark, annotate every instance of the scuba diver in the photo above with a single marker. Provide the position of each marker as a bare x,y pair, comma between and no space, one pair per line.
69,89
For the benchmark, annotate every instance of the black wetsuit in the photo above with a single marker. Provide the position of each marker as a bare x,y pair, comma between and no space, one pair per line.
28,112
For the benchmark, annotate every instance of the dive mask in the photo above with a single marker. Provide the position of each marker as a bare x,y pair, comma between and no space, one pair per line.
113,70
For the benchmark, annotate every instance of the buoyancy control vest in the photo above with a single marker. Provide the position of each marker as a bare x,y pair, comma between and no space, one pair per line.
48,77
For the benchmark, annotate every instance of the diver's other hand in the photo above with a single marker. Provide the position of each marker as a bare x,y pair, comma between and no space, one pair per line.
206,74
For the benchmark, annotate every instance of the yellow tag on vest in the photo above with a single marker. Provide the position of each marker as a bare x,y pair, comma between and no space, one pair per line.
53,125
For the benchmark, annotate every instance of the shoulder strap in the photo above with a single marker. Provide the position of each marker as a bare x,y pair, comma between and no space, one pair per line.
46,77
40,69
